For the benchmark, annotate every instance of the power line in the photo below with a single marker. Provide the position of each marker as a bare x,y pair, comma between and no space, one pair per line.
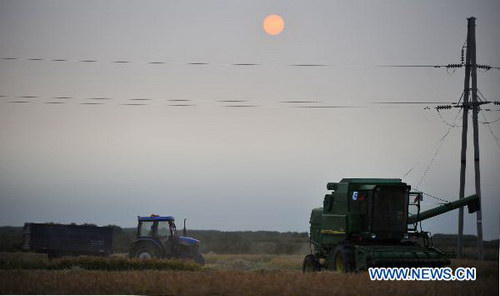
448,66
435,197
410,102
497,140
158,62
441,141
227,103
238,64
444,121
438,143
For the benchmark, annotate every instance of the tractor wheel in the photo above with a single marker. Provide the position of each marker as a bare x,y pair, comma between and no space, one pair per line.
311,264
343,260
199,259
146,252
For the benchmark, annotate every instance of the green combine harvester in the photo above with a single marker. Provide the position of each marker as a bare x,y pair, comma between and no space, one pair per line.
367,223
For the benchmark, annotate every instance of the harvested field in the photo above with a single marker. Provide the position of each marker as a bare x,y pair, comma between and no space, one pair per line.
95,263
226,283
237,275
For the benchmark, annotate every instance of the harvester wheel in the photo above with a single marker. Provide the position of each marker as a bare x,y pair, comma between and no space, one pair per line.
343,260
311,264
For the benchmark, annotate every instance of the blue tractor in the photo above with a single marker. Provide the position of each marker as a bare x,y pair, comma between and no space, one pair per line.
157,238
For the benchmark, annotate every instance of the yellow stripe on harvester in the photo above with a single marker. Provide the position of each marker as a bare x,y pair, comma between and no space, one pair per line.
329,231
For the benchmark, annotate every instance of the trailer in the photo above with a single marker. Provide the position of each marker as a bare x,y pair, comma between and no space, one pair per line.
59,240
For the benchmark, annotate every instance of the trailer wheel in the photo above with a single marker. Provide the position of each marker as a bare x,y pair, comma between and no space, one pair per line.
343,259
311,264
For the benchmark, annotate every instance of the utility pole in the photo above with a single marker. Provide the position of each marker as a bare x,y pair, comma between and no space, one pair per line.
463,155
475,111
470,74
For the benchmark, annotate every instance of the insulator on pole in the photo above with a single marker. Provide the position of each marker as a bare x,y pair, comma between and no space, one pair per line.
443,107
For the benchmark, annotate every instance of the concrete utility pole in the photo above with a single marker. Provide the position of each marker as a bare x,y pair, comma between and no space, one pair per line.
475,111
470,74
463,155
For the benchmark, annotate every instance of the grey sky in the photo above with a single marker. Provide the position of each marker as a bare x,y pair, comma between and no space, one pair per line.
260,168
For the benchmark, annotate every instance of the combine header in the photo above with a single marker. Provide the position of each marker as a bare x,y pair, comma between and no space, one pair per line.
366,223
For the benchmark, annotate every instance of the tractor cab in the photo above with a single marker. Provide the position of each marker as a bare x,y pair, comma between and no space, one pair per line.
156,227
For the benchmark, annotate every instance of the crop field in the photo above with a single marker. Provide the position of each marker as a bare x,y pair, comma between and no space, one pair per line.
222,275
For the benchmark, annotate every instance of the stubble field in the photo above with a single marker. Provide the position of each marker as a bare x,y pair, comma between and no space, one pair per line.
234,275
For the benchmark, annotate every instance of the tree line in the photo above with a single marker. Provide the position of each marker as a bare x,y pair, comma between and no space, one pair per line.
251,242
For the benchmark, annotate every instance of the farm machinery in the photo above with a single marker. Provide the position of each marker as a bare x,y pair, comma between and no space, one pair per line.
157,238
57,240
367,223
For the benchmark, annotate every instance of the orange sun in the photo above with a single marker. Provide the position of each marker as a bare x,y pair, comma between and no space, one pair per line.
273,24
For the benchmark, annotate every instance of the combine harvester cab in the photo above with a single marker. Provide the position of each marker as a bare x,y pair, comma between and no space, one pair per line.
366,223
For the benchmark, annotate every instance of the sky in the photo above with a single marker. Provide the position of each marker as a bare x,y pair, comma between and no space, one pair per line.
262,167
